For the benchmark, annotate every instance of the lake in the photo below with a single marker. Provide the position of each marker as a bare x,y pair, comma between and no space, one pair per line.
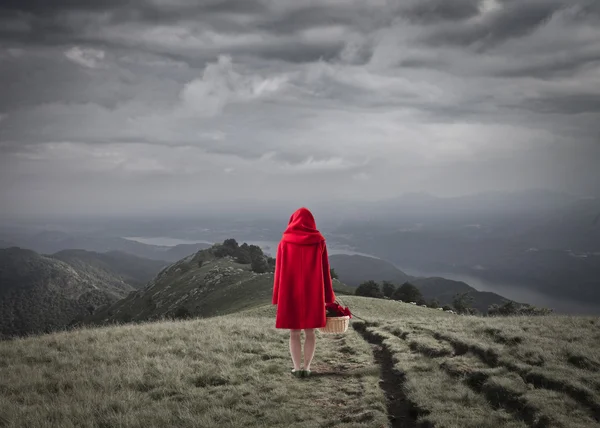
514,292
164,241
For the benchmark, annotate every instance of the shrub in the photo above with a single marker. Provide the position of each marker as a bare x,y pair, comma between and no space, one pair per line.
369,289
181,313
255,251
462,303
388,289
231,243
334,274
511,308
434,304
243,257
260,265
407,293
223,251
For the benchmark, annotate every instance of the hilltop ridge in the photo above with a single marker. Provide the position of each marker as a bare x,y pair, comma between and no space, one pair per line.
210,282
403,366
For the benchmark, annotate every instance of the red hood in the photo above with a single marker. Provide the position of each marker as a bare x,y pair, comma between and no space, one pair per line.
302,228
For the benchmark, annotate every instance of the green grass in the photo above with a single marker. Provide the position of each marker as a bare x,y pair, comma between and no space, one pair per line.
404,366
222,372
463,371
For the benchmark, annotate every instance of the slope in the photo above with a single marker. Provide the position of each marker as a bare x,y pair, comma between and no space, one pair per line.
228,372
424,368
39,293
452,371
203,284
135,271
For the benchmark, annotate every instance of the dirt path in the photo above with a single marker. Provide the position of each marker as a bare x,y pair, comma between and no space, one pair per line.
401,412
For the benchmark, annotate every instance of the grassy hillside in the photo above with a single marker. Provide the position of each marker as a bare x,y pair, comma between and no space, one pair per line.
446,370
221,372
136,271
405,366
41,294
202,284
489,372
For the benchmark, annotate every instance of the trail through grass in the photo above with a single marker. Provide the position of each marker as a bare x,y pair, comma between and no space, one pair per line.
404,366
463,371
222,372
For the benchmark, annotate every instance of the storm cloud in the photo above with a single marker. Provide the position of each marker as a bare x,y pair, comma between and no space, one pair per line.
111,106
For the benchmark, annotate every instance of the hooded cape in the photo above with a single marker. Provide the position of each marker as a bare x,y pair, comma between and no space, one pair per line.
302,282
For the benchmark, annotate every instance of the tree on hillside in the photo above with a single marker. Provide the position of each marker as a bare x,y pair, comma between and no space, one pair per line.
388,289
434,304
231,243
407,293
243,257
334,274
511,308
260,265
369,289
255,251
224,250
462,303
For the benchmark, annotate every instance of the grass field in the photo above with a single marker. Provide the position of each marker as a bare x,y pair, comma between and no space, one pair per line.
222,372
459,371
404,366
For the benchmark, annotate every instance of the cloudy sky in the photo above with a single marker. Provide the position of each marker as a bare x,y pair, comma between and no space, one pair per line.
129,105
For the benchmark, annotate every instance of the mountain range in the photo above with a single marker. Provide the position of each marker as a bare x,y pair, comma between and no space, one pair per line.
550,244
355,269
50,242
40,293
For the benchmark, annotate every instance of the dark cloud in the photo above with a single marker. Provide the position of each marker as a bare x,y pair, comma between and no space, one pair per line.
561,65
433,11
566,104
330,97
511,20
137,9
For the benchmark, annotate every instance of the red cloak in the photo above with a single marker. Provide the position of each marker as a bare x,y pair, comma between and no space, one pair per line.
302,283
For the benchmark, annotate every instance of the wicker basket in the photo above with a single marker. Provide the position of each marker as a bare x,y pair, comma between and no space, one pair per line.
336,325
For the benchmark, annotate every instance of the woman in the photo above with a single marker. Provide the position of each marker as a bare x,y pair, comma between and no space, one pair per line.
302,286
